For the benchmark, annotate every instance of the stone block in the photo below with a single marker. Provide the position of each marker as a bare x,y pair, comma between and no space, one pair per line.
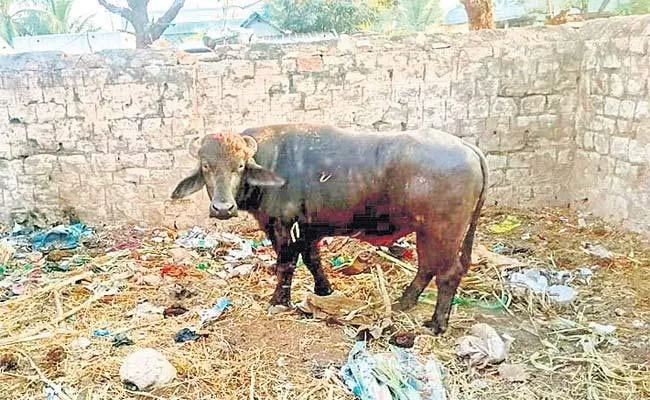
456,109
626,109
22,114
639,152
619,147
48,112
611,106
616,85
601,143
126,160
159,160
131,176
125,128
636,85
642,111
40,164
479,107
487,87
496,161
520,159
489,143
565,156
533,104
588,140
637,45
103,163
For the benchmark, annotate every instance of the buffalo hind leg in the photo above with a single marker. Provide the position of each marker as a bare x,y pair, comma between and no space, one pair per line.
447,280
426,270
311,257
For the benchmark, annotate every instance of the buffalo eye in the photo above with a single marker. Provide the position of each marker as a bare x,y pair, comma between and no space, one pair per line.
205,167
241,167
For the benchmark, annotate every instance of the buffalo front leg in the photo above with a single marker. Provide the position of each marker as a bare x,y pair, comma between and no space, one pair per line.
311,257
286,265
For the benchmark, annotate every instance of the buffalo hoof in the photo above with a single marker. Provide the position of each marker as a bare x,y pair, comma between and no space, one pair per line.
404,304
323,291
278,309
434,328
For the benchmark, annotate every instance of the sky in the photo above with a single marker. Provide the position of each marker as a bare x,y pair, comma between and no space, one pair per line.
103,18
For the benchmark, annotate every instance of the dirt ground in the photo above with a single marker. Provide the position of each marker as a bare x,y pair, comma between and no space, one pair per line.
249,354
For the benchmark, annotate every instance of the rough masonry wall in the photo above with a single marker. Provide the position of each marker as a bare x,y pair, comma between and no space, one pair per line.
612,167
104,134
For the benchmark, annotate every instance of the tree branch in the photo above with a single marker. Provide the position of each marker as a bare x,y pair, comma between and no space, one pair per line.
603,5
121,11
157,29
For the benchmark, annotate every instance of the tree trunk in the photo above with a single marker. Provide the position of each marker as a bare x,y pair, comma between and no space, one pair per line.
146,32
479,13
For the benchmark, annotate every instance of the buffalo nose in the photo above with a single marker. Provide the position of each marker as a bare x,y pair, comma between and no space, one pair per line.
222,208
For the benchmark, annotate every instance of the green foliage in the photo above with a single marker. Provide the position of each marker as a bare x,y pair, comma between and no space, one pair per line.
416,15
53,17
634,7
342,16
39,17
409,16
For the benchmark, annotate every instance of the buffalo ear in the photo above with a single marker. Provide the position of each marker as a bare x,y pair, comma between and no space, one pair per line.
258,176
189,185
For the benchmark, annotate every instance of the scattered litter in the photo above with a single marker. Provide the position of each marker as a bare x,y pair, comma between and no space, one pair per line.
513,372
173,271
215,312
637,323
52,392
619,312
187,335
602,329
149,279
562,294
525,236
233,272
582,223
196,238
174,311
597,250
537,281
60,237
335,305
481,254
374,330
6,251
180,255
121,340
508,224
144,309
430,296
585,274
80,343
404,340
361,263
145,369
483,346
101,332
396,375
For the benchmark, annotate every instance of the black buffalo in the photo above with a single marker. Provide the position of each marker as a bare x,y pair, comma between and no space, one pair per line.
303,182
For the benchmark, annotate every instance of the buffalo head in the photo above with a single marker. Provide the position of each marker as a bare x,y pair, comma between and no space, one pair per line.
225,163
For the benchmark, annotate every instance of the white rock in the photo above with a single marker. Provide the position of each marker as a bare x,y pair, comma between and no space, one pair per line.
146,369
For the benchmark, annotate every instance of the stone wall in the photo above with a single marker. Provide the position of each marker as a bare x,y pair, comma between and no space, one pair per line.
612,161
104,134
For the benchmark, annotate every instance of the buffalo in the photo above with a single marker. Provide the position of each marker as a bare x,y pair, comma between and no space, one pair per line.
303,182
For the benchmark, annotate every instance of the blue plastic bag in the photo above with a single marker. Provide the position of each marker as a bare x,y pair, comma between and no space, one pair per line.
60,237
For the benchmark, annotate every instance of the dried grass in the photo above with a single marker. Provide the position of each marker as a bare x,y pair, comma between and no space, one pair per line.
249,355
